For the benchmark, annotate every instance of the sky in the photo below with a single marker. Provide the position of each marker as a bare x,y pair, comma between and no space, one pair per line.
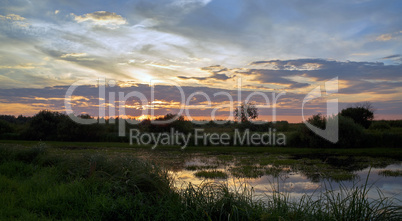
205,47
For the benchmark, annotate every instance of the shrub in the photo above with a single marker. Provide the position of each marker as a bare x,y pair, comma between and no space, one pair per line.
5,127
180,124
380,125
372,138
391,139
350,134
248,125
294,139
308,137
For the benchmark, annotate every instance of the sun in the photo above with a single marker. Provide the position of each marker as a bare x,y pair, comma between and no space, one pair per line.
143,117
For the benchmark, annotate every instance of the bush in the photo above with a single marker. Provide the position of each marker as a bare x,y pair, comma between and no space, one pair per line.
377,138
390,139
5,127
372,138
395,123
380,125
309,138
350,134
294,139
248,125
180,125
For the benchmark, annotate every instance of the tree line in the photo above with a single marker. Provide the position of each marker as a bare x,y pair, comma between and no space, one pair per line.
357,128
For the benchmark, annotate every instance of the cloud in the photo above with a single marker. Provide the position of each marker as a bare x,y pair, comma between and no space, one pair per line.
267,44
324,69
167,100
384,37
300,75
12,17
242,30
76,57
189,5
392,56
217,73
397,58
221,77
390,36
102,18
19,66
15,20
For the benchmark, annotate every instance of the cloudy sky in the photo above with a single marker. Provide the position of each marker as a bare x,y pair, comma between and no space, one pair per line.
205,46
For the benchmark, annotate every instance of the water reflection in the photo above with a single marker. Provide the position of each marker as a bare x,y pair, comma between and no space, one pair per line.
295,183
295,175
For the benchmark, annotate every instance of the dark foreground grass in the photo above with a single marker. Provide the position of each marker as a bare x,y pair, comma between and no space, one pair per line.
36,185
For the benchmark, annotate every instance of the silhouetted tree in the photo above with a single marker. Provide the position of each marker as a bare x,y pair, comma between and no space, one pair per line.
246,112
362,114
5,127
43,126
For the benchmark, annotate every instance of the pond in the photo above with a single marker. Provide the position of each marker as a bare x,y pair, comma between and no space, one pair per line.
292,176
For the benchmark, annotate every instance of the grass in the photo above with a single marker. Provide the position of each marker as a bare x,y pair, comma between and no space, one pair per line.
395,153
392,173
225,157
274,171
344,204
248,171
214,201
38,184
341,176
249,164
353,204
205,167
213,174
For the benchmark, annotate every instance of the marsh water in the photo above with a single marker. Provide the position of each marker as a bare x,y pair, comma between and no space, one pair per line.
296,185
293,177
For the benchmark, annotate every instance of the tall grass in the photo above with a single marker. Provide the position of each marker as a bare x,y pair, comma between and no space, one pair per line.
216,201
354,204
36,185
345,203
43,186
